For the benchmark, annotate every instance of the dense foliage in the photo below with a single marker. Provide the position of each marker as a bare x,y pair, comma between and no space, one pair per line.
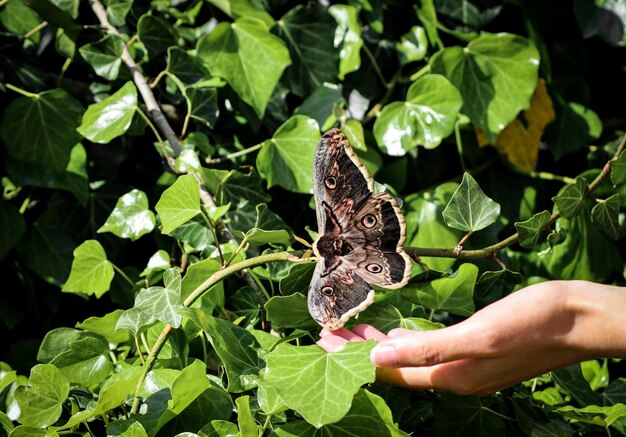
156,174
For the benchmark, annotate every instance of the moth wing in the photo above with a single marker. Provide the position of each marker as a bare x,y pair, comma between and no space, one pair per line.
337,296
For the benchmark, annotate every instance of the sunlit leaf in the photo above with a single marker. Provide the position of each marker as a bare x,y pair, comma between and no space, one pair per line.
179,203
131,217
348,35
91,271
41,402
470,209
104,56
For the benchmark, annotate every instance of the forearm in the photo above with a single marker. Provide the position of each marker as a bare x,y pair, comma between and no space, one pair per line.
600,319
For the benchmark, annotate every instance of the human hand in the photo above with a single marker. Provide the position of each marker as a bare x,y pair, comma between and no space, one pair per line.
535,330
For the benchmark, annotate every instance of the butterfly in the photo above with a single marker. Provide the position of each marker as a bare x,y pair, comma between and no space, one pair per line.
361,234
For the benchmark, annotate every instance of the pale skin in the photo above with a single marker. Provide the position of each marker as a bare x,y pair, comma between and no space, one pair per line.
530,332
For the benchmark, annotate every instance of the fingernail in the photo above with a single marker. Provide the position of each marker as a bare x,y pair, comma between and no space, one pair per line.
384,356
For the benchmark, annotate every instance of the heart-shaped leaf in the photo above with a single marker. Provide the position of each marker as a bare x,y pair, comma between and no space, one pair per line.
286,159
529,230
496,75
618,170
104,56
42,128
86,362
426,118
412,45
605,215
571,197
230,50
469,208
453,293
305,376
348,34
179,203
91,271
41,401
289,312
111,117
156,34
298,279
131,217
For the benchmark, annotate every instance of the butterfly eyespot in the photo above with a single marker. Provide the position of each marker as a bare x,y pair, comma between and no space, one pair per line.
328,291
369,221
330,182
374,268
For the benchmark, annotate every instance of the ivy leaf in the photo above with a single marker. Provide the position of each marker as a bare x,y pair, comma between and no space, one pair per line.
117,11
104,56
287,158
105,326
268,229
496,75
309,31
348,35
557,236
570,198
529,230
322,104
605,215
234,345
56,14
494,285
111,117
41,401
131,217
243,8
453,293
18,18
203,104
179,203
469,208
245,419
156,34
184,66
304,376
289,312
298,279
469,415
386,317
230,51
575,127
412,46
425,118
618,170
86,362
163,303
368,415
42,128
91,271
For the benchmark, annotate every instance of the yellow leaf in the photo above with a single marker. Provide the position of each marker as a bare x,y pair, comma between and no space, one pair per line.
519,141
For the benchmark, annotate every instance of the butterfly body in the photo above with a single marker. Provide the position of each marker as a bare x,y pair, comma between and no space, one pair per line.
360,235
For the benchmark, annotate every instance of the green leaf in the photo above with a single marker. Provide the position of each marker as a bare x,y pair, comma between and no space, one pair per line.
243,8
163,303
91,271
570,198
469,208
425,118
86,362
494,285
529,230
386,317
12,227
131,217
203,104
289,312
453,293
117,11
298,279
54,14
304,376
348,35
469,415
104,56
412,46
605,215
42,128
41,401
105,326
496,75
185,66
287,159
618,170
179,203
369,415
247,425
18,18
587,252
603,416
156,34
322,105
235,346
574,128
248,57
557,236
309,32
111,117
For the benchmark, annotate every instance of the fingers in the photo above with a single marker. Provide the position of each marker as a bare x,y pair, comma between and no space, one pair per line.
331,341
406,348
368,332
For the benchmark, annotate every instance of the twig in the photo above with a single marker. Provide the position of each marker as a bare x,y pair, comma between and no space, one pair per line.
140,81
233,155
35,30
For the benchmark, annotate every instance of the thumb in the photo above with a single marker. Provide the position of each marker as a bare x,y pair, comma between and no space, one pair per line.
424,348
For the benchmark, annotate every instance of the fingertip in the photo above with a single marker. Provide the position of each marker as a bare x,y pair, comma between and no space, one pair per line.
368,332
331,343
384,355
398,332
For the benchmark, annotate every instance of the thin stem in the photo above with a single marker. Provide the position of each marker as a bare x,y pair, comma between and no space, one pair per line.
551,177
20,90
169,159
459,144
211,226
432,314
233,155
124,275
244,241
379,73
3,2
425,69
157,79
35,30
373,113
138,346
